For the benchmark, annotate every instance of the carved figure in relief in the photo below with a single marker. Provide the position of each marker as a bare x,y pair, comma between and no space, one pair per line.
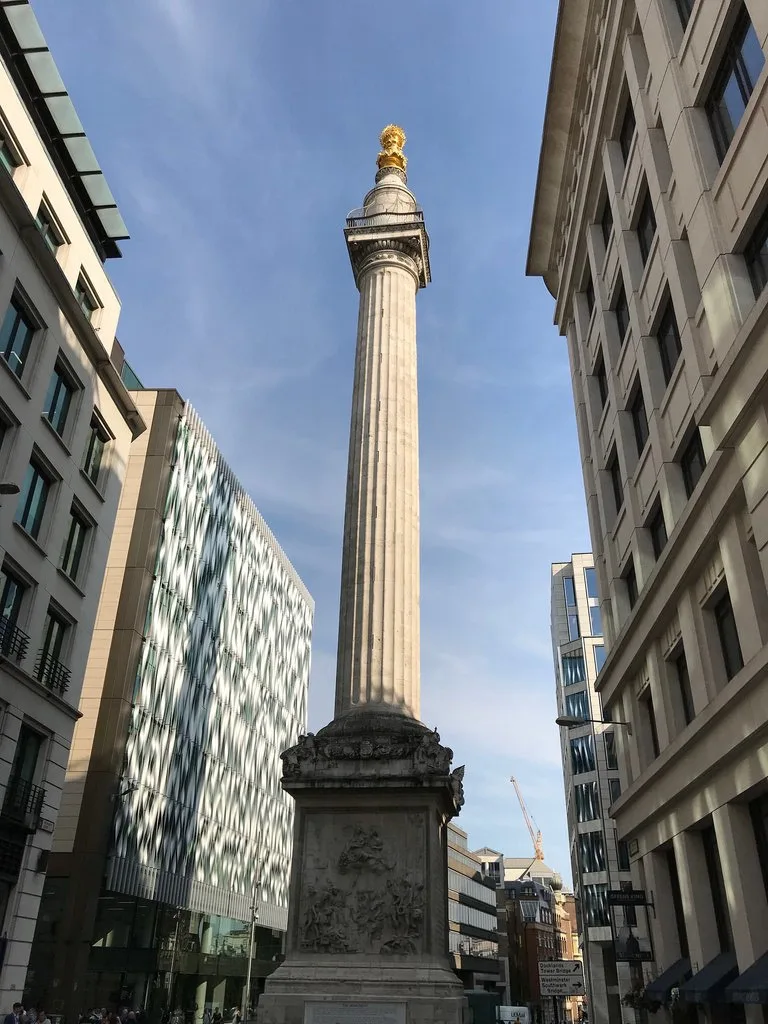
406,908
325,919
364,851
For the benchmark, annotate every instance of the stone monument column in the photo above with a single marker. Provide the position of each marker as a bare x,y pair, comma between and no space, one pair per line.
367,935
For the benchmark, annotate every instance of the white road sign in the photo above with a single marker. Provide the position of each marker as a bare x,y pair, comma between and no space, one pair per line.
561,977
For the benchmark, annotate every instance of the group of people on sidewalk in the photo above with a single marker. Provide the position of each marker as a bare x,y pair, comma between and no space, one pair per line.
20,1015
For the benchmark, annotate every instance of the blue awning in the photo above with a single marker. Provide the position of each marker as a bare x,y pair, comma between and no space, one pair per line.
673,977
708,984
752,985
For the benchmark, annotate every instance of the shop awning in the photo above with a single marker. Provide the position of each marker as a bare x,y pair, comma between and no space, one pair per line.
752,985
674,976
707,985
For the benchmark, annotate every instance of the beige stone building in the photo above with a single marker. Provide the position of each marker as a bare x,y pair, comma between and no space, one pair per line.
649,227
66,425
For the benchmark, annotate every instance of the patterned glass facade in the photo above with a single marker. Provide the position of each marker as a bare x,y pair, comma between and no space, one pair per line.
220,691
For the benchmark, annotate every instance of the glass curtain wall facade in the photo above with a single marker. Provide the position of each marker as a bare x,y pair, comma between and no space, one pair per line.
590,774
193,823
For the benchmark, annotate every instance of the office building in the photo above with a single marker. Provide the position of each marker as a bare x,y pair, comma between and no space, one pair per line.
531,933
473,938
650,229
591,777
173,819
66,424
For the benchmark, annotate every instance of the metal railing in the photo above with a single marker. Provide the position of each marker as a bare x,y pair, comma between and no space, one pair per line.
23,802
51,672
361,219
13,641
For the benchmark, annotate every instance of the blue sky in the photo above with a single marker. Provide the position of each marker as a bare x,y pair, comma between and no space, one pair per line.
236,137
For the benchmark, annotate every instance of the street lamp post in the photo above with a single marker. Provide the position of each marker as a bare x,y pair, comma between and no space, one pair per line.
254,919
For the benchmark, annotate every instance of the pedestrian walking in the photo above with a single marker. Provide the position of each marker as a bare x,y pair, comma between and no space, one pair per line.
16,1016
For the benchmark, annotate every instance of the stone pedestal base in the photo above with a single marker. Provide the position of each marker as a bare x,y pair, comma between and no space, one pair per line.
367,928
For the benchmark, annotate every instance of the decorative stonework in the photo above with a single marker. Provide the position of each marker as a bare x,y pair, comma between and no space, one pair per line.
314,753
366,903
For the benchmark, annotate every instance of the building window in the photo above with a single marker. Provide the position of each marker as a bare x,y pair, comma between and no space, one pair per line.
8,158
621,309
679,667
12,591
33,499
28,746
684,8
573,670
599,650
582,754
717,888
646,227
595,620
692,462
611,758
739,70
677,901
616,484
669,342
16,336
658,530
622,853
74,545
590,579
596,906
589,291
758,810
602,380
606,221
58,399
728,635
614,790
45,226
756,255
592,851
587,802
577,705
639,418
570,607
85,299
649,714
627,130
94,452
50,653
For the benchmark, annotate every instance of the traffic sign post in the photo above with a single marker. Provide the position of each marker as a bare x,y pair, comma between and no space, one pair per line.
561,977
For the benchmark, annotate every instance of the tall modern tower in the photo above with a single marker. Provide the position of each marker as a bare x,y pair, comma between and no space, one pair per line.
367,929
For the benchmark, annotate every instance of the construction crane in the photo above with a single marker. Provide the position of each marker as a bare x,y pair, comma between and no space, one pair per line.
536,839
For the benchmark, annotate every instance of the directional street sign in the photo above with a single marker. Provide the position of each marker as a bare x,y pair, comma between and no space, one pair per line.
561,977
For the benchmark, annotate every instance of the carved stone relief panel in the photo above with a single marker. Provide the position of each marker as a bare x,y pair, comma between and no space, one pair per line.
364,884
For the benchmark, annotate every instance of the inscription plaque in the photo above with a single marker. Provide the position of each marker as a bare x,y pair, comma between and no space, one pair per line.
354,1013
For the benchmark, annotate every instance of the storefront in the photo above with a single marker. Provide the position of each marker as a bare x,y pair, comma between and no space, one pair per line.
144,955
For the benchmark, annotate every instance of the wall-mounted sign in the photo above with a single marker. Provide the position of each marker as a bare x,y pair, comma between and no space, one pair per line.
627,898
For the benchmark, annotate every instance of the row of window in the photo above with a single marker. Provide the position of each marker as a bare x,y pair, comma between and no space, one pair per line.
51,233
583,753
571,609
678,679
707,836
56,632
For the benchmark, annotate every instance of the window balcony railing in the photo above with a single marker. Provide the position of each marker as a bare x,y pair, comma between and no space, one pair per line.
13,641
52,673
23,803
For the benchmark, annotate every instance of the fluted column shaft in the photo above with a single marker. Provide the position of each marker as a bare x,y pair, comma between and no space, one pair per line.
378,653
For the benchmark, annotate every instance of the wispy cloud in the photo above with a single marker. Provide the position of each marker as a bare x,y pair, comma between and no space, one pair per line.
237,137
